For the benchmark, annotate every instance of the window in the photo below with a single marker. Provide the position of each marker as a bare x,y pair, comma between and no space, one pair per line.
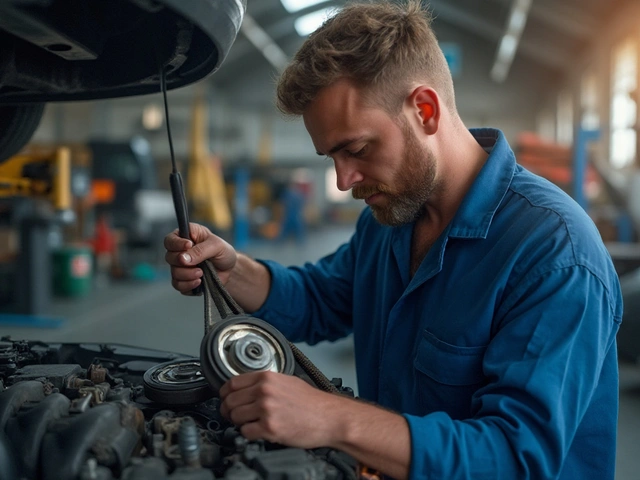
565,118
546,125
590,120
623,107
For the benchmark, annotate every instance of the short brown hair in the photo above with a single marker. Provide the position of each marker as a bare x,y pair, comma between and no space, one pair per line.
382,47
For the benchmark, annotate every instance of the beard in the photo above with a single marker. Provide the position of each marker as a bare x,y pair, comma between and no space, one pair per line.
415,182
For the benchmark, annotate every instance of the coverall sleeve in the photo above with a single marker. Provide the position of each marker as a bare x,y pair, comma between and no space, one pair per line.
552,336
314,302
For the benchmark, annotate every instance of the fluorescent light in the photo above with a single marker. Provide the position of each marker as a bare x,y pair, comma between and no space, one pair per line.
310,22
507,50
297,5
152,117
263,42
516,21
509,43
499,72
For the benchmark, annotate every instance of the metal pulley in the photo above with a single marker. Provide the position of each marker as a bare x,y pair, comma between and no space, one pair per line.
177,382
235,343
242,344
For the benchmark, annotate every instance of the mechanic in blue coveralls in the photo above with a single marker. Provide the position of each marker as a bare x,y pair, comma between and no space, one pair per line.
293,201
483,304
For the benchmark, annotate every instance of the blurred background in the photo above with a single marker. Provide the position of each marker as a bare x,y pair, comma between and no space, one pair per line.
558,77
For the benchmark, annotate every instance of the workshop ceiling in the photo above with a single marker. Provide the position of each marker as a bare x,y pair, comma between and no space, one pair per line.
119,54
555,33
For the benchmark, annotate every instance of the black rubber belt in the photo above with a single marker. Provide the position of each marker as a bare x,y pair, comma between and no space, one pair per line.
215,295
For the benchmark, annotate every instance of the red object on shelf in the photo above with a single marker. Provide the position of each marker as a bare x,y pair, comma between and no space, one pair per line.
550,160
104,240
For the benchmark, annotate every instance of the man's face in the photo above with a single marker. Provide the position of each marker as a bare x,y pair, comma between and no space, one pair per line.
412,184
376,156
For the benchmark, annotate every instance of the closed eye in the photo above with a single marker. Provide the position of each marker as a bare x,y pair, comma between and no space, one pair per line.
359,153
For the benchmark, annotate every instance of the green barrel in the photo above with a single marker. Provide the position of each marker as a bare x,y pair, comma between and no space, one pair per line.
72,271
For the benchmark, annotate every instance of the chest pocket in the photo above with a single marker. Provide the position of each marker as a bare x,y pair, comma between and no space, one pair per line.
447,376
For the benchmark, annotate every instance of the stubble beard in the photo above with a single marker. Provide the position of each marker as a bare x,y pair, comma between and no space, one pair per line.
415,182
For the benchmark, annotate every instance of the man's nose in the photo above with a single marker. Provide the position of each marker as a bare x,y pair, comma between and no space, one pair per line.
347,175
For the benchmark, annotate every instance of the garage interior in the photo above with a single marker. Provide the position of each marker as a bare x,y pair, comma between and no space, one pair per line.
83,260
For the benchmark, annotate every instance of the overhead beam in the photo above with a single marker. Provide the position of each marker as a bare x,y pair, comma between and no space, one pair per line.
544,54
571,22
277,30
510,41
239,67
256,8
264,43
561,17
540,52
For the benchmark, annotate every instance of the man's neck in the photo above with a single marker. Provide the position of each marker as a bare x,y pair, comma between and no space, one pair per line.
460,159
458,170
424,235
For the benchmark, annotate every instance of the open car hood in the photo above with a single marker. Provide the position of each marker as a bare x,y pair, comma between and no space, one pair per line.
63,50
76,411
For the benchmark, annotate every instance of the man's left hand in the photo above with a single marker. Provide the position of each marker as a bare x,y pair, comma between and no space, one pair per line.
280,408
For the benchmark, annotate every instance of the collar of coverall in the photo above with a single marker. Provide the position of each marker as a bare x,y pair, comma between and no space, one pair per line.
476,211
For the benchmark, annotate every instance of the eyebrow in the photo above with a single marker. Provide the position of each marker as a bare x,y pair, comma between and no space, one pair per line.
340,146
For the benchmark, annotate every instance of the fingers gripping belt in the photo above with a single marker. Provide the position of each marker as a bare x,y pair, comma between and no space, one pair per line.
215,295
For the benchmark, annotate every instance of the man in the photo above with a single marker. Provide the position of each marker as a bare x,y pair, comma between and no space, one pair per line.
483,304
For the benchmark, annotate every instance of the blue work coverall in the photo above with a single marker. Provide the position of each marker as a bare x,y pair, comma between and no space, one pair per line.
500,351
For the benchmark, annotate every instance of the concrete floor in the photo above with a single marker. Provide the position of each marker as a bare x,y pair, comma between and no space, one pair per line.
152,314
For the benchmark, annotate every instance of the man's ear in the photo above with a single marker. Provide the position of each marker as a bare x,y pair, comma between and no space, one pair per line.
424,106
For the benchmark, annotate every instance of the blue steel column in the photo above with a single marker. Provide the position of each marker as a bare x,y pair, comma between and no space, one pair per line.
580,162
241,221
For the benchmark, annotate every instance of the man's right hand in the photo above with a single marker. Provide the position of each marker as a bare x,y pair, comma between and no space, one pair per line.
185,255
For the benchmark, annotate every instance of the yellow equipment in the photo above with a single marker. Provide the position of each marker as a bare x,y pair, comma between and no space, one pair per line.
44,175
206,190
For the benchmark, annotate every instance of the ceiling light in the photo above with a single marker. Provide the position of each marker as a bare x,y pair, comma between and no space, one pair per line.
263,42
517,21
309,23
152,117
297,5
506,52
509,43
507,49
499,72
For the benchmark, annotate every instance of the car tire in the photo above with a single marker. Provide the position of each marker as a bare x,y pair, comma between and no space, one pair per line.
17,125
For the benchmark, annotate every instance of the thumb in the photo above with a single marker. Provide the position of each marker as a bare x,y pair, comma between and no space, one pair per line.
213,248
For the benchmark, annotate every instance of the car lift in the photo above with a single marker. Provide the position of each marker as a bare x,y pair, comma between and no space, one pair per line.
41,175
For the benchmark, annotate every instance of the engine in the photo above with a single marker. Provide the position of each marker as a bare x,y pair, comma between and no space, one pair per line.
107,411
